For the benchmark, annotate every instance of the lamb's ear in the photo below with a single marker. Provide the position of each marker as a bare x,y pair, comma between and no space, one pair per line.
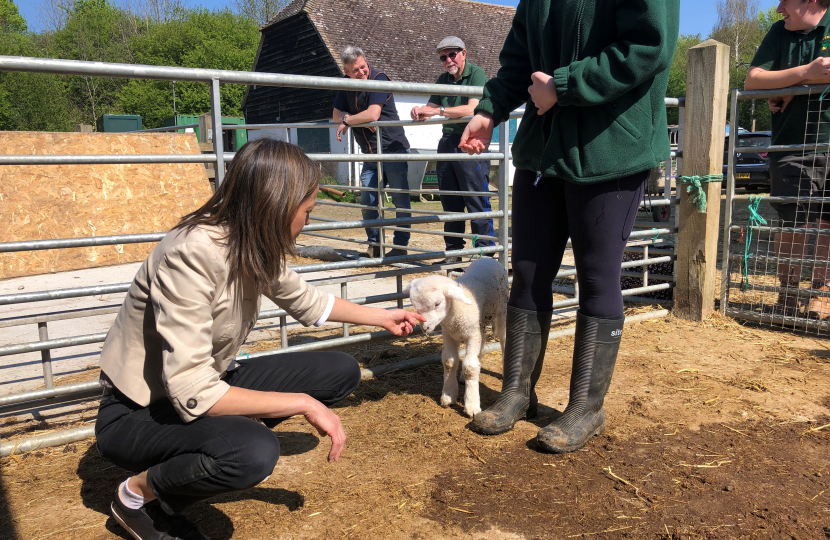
456,292
407,288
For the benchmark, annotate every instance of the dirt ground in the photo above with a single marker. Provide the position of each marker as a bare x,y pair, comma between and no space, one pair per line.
716,430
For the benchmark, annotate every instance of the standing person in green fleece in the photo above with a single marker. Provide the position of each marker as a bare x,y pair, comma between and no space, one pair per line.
596,74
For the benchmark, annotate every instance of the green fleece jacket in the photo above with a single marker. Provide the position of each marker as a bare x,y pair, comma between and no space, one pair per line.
610,62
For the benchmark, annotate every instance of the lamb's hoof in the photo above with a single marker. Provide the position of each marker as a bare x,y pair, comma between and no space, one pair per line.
446,400
472,411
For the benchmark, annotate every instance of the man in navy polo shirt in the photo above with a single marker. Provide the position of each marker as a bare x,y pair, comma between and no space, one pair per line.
352,108
458,175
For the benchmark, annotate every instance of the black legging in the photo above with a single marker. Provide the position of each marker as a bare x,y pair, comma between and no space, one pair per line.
188,462
597,217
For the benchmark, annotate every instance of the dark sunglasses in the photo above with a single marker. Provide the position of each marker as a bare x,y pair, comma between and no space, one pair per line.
452,56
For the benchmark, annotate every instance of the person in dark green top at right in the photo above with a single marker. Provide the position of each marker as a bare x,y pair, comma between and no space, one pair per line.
459,175
595,124
795,52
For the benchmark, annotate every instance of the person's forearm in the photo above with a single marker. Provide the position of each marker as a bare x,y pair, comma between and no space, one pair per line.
364,117
460,111
347,312
761,79
431,109
244,402
360,118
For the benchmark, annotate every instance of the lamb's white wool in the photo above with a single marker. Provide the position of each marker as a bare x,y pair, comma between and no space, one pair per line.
463,308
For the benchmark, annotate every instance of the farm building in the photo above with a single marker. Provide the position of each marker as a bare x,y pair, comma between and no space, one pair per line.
306,38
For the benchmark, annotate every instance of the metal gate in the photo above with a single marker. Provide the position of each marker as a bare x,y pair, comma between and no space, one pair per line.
774,259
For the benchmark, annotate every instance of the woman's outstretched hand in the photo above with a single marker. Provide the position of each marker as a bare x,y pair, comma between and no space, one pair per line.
401,322
478,134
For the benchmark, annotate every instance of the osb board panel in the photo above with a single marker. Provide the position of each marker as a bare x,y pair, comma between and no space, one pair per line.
69,201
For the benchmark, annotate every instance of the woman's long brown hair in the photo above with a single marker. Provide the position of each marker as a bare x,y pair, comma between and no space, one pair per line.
262,191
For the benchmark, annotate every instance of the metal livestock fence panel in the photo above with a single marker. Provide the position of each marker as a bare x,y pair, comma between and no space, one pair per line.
776,272
649,241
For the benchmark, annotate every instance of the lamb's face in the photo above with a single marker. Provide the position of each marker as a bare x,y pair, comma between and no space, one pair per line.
429,298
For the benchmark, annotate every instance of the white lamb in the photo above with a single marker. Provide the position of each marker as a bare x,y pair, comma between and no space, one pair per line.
463,307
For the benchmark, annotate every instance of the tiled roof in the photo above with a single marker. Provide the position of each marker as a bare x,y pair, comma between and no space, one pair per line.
399,37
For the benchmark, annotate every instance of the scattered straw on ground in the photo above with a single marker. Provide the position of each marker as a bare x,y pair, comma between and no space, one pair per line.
715,430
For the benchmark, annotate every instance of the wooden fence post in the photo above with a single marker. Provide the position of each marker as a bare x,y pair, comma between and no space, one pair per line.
707,88
205,128
206,145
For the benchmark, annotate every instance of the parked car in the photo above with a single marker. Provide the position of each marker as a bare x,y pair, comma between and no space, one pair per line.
751,167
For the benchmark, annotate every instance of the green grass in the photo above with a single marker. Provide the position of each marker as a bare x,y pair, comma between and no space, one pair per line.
349,197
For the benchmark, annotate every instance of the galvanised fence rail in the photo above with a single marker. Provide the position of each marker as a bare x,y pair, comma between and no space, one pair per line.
649,240
775,273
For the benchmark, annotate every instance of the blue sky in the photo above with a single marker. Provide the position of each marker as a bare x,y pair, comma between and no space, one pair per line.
696,16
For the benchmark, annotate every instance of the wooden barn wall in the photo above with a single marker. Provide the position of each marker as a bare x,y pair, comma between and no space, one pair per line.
292,46
70,201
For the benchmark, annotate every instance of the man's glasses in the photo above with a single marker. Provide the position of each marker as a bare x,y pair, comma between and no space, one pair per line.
451,56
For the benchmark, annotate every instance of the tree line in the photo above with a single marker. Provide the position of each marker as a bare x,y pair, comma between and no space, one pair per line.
156,32
165,32
742,26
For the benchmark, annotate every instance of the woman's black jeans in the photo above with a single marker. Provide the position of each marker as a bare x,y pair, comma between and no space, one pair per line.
188,462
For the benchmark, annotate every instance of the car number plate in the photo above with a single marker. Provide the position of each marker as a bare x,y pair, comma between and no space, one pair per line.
742,175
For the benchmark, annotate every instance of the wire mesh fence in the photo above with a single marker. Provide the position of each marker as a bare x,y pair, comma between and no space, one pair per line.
776,249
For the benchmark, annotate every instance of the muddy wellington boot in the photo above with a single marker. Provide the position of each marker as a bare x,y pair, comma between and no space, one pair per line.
524,354
597,342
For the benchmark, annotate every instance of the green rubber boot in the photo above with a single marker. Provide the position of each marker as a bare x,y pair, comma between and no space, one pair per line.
524,355
595,354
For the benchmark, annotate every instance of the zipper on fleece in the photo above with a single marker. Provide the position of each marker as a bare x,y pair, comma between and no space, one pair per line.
546,131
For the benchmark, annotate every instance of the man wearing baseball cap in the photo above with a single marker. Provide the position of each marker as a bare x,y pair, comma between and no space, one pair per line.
458,175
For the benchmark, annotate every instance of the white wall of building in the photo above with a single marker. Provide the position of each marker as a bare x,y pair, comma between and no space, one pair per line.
279,134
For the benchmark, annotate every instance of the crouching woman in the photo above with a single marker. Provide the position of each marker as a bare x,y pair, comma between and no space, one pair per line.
181,410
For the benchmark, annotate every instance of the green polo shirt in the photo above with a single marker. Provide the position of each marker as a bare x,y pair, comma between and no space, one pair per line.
784,49
471,76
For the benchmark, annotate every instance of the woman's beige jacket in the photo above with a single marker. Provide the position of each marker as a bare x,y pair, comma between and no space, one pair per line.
182,323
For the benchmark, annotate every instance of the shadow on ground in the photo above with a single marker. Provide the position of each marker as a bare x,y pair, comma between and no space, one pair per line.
8,531
100,479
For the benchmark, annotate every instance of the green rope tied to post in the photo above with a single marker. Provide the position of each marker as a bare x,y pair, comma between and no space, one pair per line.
658,236
480,250
694,186
755,219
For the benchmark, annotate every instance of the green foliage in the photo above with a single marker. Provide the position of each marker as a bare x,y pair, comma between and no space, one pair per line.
96,30
99,30
737,74
766,19
28,101
677,75
204,39
748,33
10,19
348,195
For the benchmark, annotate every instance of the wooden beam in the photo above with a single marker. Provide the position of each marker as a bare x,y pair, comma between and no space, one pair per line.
707,88
205,128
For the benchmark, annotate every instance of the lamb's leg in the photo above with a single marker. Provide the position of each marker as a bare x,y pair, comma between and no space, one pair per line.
472,368
449,358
